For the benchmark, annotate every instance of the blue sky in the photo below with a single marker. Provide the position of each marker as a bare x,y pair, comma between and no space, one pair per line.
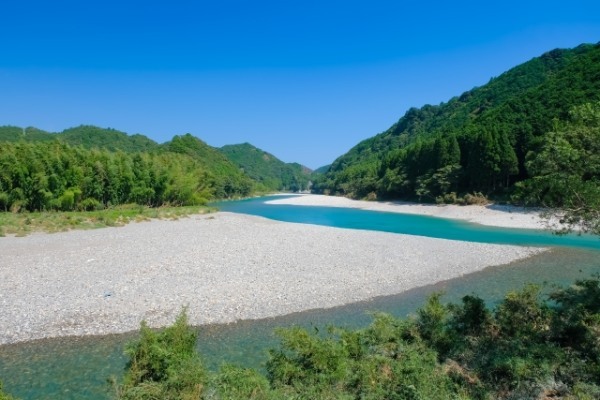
304,80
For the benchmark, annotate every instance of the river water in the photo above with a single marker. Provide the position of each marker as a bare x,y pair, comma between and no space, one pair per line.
79,368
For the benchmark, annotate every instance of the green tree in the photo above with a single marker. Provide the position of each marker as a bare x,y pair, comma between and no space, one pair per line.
509,164
164,365
566,171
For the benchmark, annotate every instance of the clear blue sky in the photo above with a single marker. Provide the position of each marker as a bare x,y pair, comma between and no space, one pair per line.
305,80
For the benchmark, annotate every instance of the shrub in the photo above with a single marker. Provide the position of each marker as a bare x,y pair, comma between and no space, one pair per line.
90,204
66,201
519,349
448,198
240,383
476,198
163,365
371,196
4,201
4,396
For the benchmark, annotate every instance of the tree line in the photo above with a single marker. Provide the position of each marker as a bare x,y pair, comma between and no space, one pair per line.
56,176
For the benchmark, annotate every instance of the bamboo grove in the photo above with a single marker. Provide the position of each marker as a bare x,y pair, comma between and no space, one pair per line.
56,176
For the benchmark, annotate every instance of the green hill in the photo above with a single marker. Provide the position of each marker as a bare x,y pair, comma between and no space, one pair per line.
267,169
16,134
90,136
476,142
229,180
87,136
322,170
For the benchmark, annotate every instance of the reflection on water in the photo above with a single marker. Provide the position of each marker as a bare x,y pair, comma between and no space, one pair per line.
78,368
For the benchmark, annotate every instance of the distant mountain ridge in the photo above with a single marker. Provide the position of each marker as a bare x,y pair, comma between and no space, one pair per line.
87,168
477,141
322,170
267,169
109,139
216,175
88,136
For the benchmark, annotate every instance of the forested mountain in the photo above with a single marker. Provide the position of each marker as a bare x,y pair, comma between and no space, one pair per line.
267,169
322,170
228,179
476,142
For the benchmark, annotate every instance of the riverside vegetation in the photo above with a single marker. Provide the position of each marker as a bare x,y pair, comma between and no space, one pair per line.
529,346
24,223
89,177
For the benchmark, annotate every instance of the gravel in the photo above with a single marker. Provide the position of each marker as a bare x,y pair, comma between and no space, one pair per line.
507,216
224,267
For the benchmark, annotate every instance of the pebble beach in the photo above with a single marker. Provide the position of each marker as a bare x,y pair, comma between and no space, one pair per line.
223,267
506,216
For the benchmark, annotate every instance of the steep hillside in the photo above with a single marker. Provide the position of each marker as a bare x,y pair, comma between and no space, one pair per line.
322,170
229,180
267,169
477,141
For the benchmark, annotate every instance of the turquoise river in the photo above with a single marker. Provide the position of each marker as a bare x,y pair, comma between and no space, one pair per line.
80,367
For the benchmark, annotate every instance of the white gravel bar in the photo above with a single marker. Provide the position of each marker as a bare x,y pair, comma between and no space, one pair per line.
224,267
492,215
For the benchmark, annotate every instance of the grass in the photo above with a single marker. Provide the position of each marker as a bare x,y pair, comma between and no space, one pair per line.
24,223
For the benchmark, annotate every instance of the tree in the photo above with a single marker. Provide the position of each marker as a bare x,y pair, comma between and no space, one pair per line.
164,365
566,171
509,164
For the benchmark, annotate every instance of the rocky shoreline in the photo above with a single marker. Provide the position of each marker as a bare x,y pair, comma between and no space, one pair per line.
224,267
506,216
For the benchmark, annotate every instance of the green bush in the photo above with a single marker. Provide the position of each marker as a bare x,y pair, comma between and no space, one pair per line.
163,365
476,198
4,396
90,204
67,201
4,201
234,383
521,349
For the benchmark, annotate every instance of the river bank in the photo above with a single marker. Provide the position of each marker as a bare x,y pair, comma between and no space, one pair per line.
224,267
505,216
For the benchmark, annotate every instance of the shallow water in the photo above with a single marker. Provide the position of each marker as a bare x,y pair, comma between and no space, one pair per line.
78,368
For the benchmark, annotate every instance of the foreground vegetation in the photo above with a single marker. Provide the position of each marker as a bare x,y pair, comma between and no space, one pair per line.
24,223
529,346
4,396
